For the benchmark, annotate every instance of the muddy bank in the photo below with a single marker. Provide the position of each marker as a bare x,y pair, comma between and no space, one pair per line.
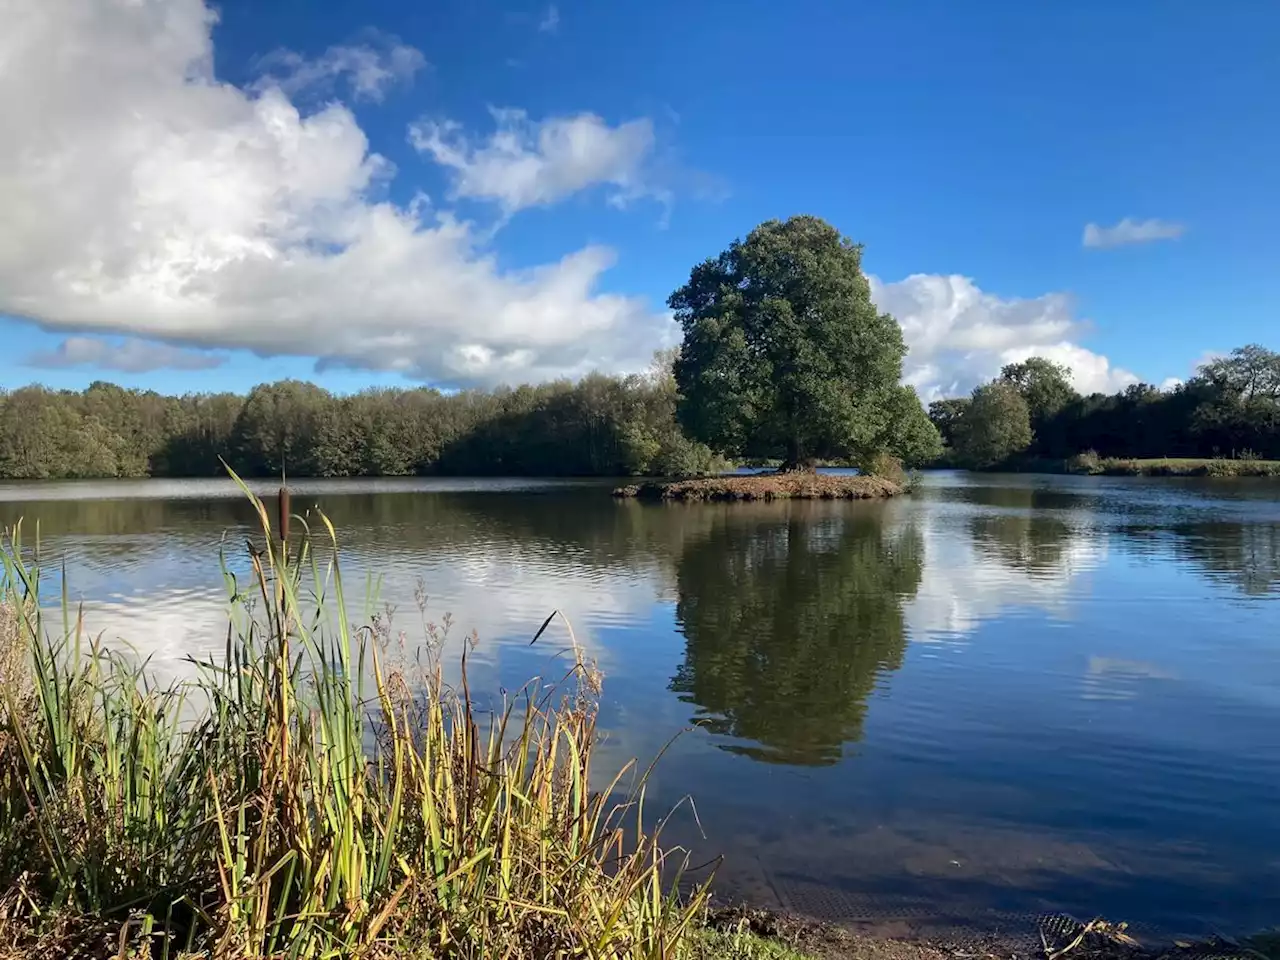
766,486
1055,937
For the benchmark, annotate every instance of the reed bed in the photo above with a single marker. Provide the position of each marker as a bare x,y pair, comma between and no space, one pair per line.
306,798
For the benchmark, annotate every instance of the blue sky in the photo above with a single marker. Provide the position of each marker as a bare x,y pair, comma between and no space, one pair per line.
370,193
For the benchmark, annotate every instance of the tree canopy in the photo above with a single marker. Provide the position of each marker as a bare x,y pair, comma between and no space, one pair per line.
602,425
1231,407
786,356
996,425
1248,373
1045,385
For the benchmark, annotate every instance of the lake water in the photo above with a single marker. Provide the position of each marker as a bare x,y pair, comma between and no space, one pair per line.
1000,695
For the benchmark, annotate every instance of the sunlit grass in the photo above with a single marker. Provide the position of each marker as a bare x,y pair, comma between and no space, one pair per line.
306,797
1243,465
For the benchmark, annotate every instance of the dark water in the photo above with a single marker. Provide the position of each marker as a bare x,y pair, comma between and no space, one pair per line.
1000,695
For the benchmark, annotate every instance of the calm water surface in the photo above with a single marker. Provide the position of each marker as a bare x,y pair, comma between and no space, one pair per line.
1000,695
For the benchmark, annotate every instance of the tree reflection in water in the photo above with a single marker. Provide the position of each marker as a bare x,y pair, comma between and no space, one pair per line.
788,625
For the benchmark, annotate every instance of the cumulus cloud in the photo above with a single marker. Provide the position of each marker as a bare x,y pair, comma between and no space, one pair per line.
371,67
550,21
143,196
527,163
129,356
960,335
1129,231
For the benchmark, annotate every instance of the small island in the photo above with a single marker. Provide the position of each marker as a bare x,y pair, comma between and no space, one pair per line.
785,357
792,485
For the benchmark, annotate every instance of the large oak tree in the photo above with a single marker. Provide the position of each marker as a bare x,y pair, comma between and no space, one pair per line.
786,356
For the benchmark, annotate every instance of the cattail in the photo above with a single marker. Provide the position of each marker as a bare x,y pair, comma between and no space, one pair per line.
284,514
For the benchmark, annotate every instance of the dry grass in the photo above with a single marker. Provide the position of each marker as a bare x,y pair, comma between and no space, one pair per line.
798,485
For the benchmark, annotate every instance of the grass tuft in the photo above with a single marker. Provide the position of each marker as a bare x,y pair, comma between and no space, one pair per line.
304,797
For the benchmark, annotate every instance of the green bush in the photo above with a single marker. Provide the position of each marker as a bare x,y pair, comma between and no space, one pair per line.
1084,463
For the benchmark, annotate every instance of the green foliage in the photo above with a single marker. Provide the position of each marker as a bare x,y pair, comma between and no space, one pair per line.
784,353
1248,373
1087,463
946,415
742,944
1231,408
1045,385
610,426
995,426
308,798
43,435
889,467
915,440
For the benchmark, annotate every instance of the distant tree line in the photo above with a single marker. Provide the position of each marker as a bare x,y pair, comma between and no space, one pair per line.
600,425
1230,408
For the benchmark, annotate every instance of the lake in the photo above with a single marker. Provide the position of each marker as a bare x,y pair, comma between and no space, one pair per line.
998,696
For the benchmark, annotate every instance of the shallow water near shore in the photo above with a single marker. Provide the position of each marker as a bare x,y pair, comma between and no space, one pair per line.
997,696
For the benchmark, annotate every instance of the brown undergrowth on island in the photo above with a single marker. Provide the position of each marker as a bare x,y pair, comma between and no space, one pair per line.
767,486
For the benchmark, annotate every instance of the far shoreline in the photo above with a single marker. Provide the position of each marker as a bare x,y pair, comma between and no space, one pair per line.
1094,466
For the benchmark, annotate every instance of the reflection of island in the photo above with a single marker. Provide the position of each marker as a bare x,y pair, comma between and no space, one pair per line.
788,624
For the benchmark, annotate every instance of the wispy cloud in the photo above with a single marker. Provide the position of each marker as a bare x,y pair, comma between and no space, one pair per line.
550,21
526,163
128,356
378,62
1129,231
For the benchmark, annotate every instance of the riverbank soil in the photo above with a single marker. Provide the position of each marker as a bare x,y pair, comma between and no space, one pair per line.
742,933
798,485
738,933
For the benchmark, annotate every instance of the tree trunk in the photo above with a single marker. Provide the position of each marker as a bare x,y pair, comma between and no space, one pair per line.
797,461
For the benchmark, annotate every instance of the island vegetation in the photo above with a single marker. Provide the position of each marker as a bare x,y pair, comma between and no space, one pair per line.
781,485
1224,421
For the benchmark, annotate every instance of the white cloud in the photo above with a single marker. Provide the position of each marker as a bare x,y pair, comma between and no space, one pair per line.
130,356
371,67
1129,231
962,586
142,196
550,21
1206,358
960,336
528,163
